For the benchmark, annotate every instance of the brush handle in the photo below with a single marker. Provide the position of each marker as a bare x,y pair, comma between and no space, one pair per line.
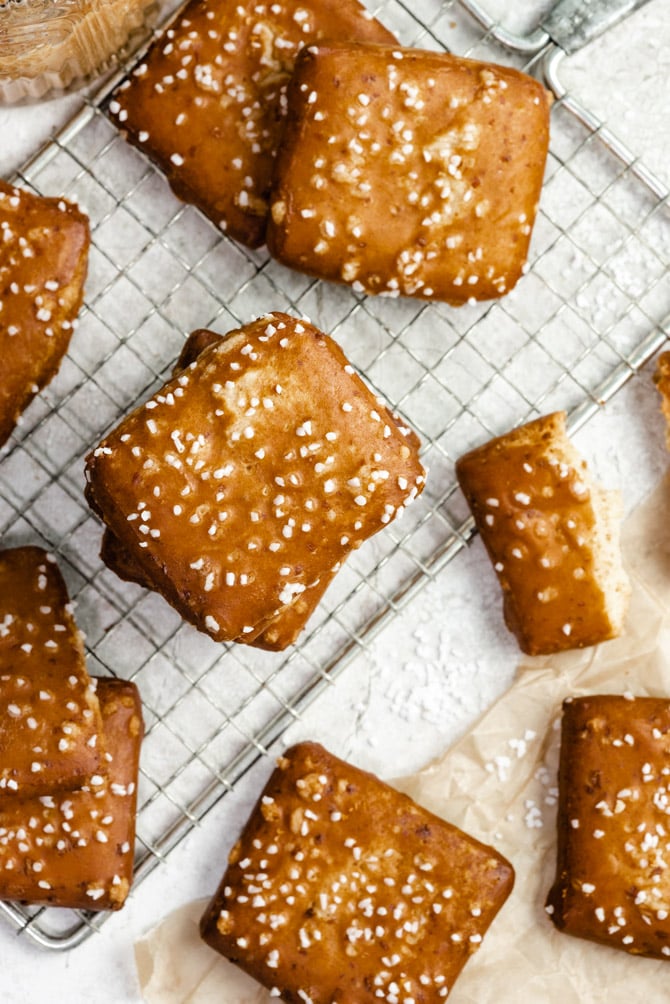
573,23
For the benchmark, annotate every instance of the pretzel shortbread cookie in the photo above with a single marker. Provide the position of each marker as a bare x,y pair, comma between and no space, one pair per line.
43,260
288,624
75,849
241,486
408,172
50,725
552,535
612,879
341,888
208,101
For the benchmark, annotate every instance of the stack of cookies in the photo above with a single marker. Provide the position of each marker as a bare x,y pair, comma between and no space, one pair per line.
397,171
239,488
69,748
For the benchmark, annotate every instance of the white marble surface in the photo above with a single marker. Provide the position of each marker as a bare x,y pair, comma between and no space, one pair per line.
445,658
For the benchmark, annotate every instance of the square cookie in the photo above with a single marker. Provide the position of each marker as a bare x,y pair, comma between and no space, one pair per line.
42,271
341,888
207,103
407,172
552,535
612,881
75,849
50,724
240,487
288,624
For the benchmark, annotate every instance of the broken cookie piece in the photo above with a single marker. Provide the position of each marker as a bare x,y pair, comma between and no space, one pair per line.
552,536
662,381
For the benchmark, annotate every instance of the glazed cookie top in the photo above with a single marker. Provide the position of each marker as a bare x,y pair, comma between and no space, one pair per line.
252,474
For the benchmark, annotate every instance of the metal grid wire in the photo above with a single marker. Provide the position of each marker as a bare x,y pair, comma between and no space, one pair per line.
592,309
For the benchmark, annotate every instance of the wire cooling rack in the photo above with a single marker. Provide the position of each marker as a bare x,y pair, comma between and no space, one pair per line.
592,309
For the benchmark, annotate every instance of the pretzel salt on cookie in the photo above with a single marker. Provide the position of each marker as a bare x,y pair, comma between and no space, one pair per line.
208,101
341,888
280,633
50,725
552,535
409,173
43,266
75,849
612,879
289,623
243,484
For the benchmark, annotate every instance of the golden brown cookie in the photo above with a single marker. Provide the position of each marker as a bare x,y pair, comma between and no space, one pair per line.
207,103
612,881
75,849
285,628
662,381
43,260
552,536
342,889
407,172
50,725
240,487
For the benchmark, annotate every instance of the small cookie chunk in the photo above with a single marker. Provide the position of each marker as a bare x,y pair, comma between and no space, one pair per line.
408,173
612,878
75,849
341,888
50,725
243,484
42,271
552,536
208,102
